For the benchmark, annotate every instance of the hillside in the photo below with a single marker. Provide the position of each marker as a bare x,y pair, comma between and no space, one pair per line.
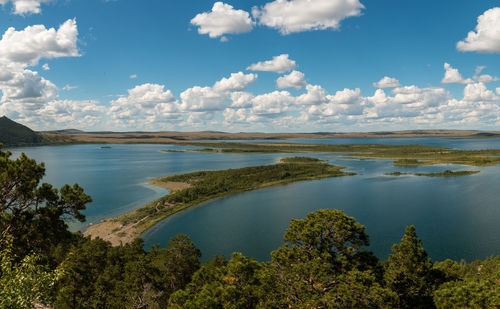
16,134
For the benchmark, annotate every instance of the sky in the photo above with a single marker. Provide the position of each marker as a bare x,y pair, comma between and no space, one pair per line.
250,65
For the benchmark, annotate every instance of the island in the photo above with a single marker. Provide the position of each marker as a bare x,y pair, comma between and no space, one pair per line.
187,190
404,155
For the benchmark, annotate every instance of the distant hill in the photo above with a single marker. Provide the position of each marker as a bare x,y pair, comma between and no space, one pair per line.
16,134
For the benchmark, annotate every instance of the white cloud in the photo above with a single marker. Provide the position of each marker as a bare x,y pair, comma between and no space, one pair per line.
272,104
236,82
28,46
69,87
46,67
241,99
203,99
145,104
453,76
478,92
68,113
23,7
315,95
498,91
486,37
133,76
387,82
223,19
295,80
279,64
27,87
289,16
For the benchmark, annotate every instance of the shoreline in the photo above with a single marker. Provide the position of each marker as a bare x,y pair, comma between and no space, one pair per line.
206,186
107,229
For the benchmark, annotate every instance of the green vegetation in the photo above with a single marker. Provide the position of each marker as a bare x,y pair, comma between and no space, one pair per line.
408,162
172,150
404,155
396,174
448,173
207,185
300,160
15,134
323,262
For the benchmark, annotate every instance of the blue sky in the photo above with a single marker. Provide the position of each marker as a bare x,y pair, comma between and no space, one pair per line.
187,65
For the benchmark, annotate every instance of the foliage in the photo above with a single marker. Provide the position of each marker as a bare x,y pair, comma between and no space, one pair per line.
475,285
34,214
323,262
25,283
101,276
15,134
206,185
408,272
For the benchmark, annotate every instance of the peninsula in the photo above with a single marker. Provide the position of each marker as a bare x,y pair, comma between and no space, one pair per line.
192,189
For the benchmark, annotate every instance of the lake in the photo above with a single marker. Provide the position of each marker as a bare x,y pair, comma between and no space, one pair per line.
456,217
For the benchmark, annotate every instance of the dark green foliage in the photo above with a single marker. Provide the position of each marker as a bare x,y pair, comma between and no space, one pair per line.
223,284
206,185
322,263
34,213
15,134
448,173
101,276
408,272
475,285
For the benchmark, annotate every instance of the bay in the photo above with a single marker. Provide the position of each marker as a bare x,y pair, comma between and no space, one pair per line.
456,217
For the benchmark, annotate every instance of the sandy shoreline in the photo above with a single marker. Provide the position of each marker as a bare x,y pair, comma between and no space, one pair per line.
115,232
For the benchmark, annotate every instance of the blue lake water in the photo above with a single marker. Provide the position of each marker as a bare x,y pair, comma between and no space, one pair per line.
457,217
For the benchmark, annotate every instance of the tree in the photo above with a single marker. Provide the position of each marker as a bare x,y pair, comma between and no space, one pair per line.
25,283
222,284
323,265
34,213
408,272
475,285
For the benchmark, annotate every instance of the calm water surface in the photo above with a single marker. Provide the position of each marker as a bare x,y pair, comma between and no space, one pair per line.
457,217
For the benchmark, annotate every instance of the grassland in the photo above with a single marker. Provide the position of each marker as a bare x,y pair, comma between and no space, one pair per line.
195,188
404,155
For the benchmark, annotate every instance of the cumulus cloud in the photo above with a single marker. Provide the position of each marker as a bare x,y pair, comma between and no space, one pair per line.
486,37
146,103
453,76
26,47
478,92
46,67
295,80
69,113
203,99
217,97
279,64
289,16
272,104
236,82
387,82
315,95
23,7
223,19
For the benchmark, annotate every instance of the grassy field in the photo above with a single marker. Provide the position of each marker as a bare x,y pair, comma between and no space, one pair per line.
195,188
